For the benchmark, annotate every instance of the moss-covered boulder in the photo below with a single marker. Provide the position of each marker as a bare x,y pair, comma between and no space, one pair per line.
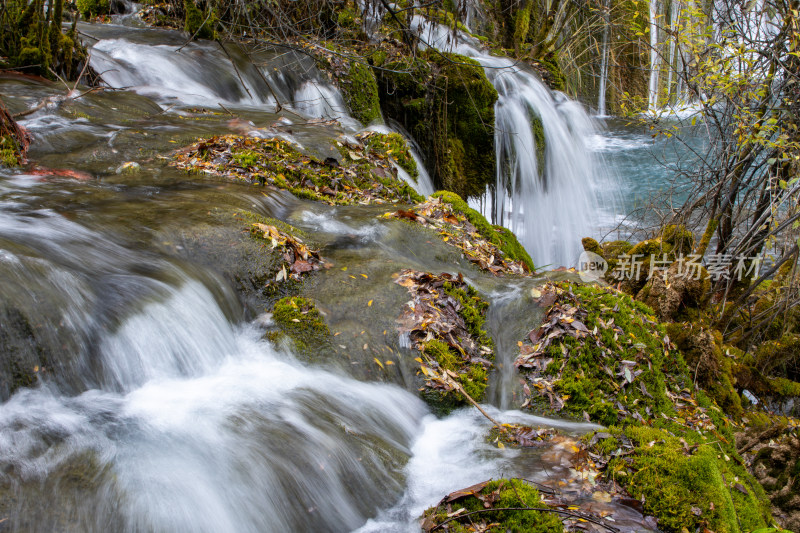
501,237
503,505
712,370
679,238
300,320
445,323
447,103
360,176
360,90
599,355
678,292
687,479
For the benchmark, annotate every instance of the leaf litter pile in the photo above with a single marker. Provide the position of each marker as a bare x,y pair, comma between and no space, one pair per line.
602,356
444,321
456,230
360,176
299,257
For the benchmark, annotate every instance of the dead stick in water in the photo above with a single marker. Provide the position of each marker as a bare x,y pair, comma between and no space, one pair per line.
456,385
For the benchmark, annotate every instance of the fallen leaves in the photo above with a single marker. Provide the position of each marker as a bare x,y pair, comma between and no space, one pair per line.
434,320
456,230
361,176
299,257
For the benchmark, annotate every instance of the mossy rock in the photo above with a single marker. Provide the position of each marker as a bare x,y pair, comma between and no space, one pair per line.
501,237
711,368
446,102
472,376
301,321
505,494
676,294
360,91
394,145
588,372
687,480
680,238
591,245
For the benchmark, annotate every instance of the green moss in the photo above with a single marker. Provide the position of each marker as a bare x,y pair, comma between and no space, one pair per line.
302,322
497,235
465,99
591,245
93,8
680,238
592,378
522,21
395,146
554,75
201,25
360,91
246,159
9,154
504,493
688,481
279,164
471,376
446,102
785,387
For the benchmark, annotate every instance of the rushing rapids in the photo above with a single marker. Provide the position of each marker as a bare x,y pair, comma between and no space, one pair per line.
158,403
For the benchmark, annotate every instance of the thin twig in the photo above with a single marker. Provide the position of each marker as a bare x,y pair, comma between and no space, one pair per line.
541,509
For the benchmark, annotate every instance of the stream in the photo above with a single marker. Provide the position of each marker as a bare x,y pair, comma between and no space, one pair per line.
159,405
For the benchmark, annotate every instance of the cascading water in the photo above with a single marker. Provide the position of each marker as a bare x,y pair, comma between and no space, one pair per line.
205,74
546,194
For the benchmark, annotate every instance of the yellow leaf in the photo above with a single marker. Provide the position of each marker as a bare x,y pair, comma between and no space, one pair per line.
389,362
36,368
377,361
500,445
369,303
365,276
344,269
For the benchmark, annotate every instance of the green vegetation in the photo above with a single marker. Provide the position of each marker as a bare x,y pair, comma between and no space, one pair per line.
472,376
357,179
360,91
687,479
32,39
92,8
198,23
299,319
507,496
392,145
497,235
446,102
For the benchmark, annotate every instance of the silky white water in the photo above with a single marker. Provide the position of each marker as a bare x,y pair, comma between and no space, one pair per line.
550,202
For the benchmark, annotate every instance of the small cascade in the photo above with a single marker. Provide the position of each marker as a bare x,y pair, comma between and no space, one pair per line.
424,183
547,178
206,74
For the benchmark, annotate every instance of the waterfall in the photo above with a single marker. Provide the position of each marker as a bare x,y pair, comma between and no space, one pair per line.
652,98
601,97
205,74
546,194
